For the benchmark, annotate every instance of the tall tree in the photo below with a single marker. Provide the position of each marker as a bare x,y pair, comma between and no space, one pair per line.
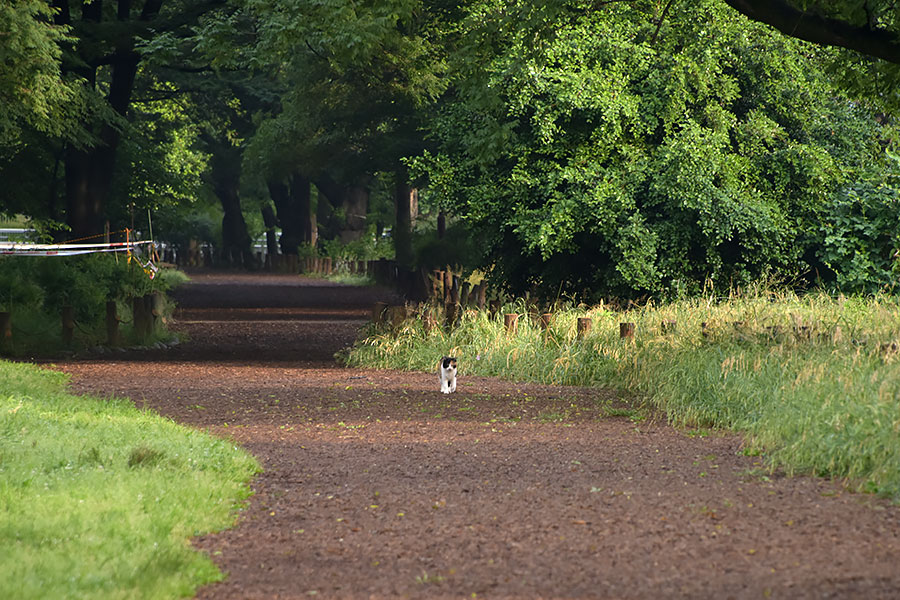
355,75
111,39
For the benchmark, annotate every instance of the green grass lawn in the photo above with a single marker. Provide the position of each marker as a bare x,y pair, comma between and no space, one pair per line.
814,381
99,499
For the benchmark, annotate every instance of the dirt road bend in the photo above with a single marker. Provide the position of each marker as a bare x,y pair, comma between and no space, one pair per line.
375,485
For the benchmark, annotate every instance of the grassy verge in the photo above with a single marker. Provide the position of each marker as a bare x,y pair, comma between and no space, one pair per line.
99,499
814,381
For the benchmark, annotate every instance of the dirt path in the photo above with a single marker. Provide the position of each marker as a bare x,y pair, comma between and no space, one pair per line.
378,486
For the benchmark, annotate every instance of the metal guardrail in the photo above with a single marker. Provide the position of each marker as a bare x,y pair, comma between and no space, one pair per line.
15,234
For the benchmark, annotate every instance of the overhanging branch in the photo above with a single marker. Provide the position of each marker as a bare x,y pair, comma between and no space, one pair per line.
813,27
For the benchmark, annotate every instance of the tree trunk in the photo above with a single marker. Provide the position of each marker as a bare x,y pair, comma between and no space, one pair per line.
270,221
294,205
226,177
405,197
355,201
302,203
89,171
356,205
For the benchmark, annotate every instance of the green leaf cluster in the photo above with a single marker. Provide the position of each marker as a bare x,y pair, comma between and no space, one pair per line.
620,150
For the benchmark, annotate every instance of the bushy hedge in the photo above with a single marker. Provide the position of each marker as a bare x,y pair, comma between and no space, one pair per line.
34,290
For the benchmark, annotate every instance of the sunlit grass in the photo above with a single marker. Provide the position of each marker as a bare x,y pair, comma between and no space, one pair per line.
813,380
99,499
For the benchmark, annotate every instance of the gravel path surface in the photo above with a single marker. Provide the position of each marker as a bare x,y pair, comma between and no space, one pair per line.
375,485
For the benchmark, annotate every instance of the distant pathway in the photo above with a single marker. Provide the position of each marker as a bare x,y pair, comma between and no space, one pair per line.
378,486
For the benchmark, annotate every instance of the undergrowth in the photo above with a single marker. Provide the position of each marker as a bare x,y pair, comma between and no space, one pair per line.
99,499
813,380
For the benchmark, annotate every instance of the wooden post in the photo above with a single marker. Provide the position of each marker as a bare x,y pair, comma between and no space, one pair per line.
437,286
68,324
397,314
450,315
495,306
667,326
112,323
378,312
448,285
626,330
137,316
511,323
328,265
481,297
5,326
546,318
464,294
429,321
704,329
583,327
154,309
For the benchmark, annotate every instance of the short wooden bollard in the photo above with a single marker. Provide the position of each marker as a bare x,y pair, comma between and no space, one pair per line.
112,323
494,307
481,295
437,285
5,326
154,303
138,317
667,326
396,315
378,311
68,324
704,329
583,327
448,285
464,292
626,330
450,314
511,322
546,318
428,320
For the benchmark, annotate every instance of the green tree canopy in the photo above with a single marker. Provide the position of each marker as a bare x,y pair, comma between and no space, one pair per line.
621,150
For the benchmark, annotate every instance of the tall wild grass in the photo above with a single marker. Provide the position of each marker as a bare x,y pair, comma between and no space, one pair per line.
813,380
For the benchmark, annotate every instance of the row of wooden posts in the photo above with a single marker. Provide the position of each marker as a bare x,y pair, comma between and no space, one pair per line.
147,314
394,316
384,314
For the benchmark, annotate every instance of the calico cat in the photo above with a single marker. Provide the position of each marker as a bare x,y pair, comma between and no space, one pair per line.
447,374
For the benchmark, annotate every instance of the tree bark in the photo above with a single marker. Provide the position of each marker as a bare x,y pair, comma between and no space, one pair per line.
301,197
403,202
225,172
354,199
271,222
356,206
293,202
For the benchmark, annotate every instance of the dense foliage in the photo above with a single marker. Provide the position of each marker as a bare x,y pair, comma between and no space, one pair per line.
602,152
